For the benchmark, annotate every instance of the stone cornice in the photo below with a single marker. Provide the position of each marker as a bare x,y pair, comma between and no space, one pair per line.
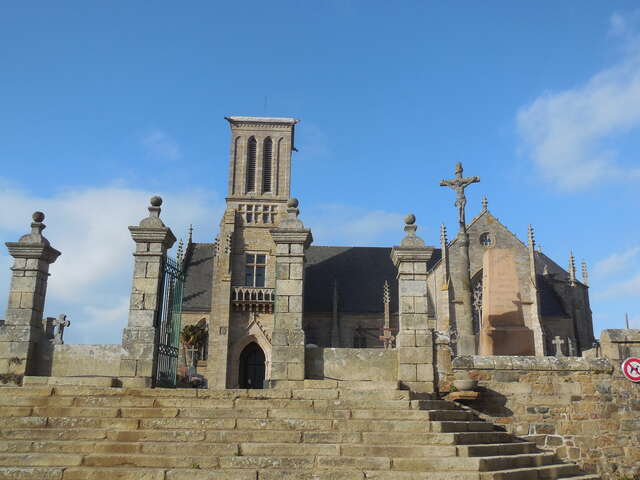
39,251
411,254
153,235
261,122
285,235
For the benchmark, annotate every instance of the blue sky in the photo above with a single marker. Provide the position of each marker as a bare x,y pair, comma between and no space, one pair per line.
104,103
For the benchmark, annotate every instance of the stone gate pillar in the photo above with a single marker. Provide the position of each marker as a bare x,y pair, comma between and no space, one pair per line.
288,342
23,321
152,239
415,339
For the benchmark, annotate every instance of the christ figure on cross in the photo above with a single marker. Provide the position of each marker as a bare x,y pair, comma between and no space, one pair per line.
459,184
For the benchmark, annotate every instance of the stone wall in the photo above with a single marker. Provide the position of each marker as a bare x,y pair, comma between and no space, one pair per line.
581,408
80,360
372,364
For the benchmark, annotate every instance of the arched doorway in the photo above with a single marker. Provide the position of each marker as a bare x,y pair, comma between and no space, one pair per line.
252,367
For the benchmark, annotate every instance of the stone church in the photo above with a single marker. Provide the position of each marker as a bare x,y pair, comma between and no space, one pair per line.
277,307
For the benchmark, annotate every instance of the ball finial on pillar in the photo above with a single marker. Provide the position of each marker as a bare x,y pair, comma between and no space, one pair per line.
156,201
38,217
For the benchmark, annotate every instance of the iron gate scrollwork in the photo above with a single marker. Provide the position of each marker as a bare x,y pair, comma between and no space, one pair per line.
169,323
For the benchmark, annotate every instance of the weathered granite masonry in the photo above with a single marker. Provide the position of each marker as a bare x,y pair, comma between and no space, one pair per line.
152,239
288,351
22,328
415,339
581,408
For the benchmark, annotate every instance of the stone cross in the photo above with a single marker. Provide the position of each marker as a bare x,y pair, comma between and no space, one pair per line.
459,184
60,324
558,344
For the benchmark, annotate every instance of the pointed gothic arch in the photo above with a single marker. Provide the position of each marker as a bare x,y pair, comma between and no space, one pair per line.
252,368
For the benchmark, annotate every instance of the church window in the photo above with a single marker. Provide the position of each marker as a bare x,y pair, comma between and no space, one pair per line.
267,165
486,239
251,165
255,270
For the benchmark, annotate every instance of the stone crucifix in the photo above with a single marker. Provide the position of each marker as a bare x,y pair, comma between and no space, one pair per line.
459,184
60,324
558,344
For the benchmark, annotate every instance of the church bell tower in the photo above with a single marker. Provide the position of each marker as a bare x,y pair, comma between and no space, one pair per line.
260,160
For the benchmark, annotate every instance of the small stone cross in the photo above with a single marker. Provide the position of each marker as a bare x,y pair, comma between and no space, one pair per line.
60,324
558,343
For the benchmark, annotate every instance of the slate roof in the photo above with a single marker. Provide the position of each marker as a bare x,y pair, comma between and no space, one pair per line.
550,302
198,277
360,273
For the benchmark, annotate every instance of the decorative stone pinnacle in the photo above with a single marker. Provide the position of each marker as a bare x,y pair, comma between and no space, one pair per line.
156,201
585,274
572,269
386,297
190,234
485,203
180,252
443,234
531,237
410,219
38,217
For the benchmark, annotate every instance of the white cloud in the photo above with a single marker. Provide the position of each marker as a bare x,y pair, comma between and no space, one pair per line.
615,262
625,288
565,133
90,281
160,144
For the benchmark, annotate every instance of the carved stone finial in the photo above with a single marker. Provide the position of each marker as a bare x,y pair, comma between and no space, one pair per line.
291,219
411,239
190,234
35,236
443,235
153,220
585,274
485,203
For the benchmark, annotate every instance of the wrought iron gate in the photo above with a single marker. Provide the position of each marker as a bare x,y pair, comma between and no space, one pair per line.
169,323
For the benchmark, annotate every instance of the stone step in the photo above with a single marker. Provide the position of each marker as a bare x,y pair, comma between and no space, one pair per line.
482,464
485,450
461,426
546,472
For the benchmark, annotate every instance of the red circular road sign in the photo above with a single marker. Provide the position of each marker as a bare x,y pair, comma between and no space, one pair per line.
631,369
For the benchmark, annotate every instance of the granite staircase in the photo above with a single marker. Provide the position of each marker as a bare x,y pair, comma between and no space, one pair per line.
325,430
